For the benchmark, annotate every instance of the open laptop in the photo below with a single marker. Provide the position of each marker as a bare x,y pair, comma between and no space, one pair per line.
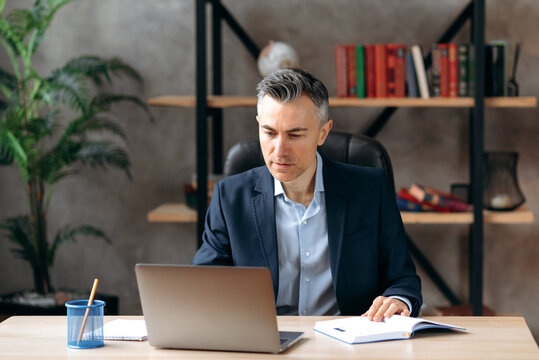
211,308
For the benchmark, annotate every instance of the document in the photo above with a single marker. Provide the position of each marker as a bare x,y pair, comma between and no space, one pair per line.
357,329
125,330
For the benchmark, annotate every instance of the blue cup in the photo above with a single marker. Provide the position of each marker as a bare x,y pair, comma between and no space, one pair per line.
92,334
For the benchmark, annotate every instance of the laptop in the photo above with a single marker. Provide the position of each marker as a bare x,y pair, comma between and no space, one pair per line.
211,308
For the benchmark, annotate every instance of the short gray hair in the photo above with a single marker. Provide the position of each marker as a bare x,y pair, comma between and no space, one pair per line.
287,85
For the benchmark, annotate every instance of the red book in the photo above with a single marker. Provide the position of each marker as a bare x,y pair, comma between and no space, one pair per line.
396,70
351,73
453,70
369,70
444,70
404,194
341,70
380,71
391,58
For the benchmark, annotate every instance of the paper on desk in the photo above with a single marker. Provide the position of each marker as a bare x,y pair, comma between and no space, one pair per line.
125,330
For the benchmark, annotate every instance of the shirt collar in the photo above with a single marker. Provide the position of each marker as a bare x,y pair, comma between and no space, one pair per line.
319,180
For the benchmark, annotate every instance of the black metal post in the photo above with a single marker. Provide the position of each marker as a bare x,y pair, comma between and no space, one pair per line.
217,114
476,159
425,264
201,118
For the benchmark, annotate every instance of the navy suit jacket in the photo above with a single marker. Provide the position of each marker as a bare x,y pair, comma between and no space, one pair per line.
367,245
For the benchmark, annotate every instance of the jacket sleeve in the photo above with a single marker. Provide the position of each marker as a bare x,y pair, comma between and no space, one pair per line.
397,271
215,249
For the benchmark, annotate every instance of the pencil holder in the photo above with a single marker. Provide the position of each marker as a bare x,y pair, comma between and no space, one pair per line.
92,334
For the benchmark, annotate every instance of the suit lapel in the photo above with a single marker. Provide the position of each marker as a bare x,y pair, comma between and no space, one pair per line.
263,205
336,213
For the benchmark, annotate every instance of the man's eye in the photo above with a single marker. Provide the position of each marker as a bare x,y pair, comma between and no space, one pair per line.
269,133
295,135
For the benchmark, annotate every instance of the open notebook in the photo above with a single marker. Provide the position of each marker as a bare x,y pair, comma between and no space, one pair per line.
134,330
357,329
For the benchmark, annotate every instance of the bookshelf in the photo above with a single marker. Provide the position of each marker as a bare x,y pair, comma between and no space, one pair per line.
181,213
222,102
210,106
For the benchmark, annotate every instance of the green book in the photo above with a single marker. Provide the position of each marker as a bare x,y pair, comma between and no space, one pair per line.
360,71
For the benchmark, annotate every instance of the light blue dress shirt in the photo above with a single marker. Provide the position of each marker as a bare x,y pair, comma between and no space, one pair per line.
305,281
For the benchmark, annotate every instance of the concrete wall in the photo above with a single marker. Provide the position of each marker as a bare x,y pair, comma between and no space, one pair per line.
429,146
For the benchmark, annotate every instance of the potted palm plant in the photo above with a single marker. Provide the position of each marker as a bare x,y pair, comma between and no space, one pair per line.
45,147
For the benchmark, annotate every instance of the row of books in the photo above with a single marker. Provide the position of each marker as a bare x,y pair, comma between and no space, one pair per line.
423,198
393,70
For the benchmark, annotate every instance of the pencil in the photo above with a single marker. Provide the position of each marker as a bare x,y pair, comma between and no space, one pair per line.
90,301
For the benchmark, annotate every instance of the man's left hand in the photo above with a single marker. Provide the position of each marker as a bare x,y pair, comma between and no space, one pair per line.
386,307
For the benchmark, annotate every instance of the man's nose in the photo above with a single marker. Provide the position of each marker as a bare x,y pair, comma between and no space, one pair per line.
280,146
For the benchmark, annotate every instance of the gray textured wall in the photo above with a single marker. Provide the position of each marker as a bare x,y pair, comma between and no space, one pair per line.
426,145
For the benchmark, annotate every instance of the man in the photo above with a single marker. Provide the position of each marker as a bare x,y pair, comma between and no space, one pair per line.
330,233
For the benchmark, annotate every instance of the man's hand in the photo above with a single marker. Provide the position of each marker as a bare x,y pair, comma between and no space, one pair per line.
386,307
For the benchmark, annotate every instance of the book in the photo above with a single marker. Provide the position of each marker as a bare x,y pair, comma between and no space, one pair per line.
369,71
407,205
360,71
435,70
341,70
437,197
380,71
444,69
404,194
400,71
358,329
463,52
391,63
419,65
131,330
351,77
452,51
411,79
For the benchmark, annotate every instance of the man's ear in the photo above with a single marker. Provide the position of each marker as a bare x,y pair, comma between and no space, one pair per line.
324,132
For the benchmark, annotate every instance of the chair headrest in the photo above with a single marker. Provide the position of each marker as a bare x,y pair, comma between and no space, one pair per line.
352,149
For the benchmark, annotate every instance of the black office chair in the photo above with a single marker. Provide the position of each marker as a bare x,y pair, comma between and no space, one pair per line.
352,149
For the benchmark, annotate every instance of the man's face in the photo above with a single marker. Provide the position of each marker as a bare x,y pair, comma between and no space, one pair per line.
289,135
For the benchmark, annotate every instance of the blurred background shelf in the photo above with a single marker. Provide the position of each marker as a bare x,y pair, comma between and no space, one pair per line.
181,213
220,102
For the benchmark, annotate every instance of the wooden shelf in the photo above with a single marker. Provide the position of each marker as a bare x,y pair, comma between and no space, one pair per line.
522,215
173,212
241,101
180,213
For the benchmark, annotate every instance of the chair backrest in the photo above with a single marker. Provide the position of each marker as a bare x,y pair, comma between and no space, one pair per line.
352,149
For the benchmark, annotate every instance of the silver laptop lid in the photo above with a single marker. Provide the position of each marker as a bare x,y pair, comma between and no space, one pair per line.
208,307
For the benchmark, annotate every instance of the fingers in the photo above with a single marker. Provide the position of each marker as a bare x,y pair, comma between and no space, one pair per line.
386,307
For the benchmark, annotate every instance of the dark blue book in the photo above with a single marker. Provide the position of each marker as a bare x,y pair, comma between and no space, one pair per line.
411,78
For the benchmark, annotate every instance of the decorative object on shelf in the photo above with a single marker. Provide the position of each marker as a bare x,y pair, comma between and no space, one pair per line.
277,55
43,145
190,190
512,85
501,190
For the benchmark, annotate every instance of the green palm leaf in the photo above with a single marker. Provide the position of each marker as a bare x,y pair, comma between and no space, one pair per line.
98,123
104,102
19,232
102,153
100,70
6,156
68,234
66,88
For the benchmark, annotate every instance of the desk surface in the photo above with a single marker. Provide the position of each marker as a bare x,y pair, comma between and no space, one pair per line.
41,337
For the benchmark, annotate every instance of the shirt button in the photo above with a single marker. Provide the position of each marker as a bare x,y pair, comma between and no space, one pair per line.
307,254
307,279
305,221
304,312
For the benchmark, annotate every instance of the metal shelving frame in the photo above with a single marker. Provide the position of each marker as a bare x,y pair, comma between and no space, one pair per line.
475,11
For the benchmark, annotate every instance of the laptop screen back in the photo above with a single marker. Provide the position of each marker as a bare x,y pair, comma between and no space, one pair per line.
208,307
